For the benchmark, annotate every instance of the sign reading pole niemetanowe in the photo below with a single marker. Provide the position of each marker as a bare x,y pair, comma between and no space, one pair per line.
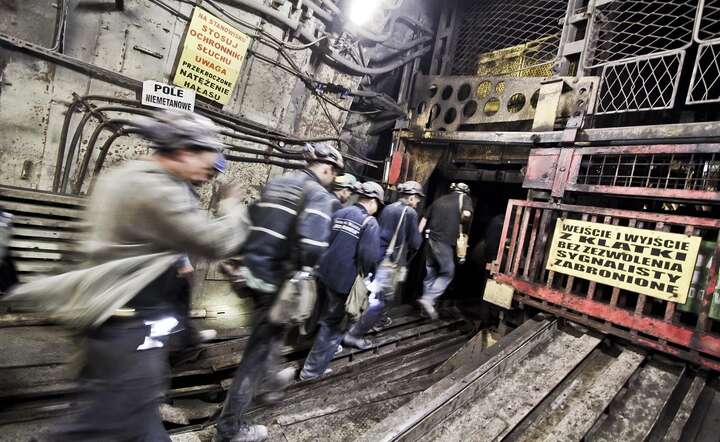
649,262
211,57
164,96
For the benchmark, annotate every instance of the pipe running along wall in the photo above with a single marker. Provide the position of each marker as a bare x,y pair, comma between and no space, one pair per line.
119,130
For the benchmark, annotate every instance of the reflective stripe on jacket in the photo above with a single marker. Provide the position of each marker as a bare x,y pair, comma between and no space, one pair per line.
290,227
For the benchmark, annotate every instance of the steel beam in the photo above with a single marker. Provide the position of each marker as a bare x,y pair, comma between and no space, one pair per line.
677,133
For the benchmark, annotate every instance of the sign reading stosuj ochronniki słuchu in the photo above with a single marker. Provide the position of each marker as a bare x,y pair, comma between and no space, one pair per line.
211,57
653,263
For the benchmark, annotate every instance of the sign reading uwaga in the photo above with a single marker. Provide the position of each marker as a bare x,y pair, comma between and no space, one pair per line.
657,264
211,57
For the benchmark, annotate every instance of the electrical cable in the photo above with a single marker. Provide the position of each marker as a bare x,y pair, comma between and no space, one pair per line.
294,25
63,140
80,177
318,11
98,113
283,164
74,142
170,9
280,45
59,37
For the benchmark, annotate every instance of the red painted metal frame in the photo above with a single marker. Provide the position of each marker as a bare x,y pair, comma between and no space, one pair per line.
558,169
519,263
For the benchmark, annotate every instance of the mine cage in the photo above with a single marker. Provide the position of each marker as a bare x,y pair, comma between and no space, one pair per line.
602,110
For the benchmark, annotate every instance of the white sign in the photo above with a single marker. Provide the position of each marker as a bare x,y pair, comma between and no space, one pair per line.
167,97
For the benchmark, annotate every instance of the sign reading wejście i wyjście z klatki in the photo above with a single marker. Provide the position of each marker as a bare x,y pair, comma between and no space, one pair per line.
650,262
164,96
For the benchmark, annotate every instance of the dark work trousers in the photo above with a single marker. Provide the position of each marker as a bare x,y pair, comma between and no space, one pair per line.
377,308
328,337
440,266
187,335
259,362
8,274
121,387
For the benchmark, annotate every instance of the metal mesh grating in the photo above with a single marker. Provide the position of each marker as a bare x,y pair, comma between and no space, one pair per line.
625,29
691,171
516,37
705,84
643,84
708,27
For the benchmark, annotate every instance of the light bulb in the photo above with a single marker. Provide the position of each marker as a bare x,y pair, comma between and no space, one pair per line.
361,11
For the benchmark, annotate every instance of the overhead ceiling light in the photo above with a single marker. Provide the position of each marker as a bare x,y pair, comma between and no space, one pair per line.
361,11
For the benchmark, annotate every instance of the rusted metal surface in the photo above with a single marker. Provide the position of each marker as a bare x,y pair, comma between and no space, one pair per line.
650,134
585,398
690,172
486,163
449,102
494,411
424,160
451,393
607,308
569,386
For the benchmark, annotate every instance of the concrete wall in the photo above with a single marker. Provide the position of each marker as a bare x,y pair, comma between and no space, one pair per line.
34,94
34,98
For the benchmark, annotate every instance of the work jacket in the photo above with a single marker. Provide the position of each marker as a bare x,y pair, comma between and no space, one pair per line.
408,239
336,204
142,221
354,245
290,229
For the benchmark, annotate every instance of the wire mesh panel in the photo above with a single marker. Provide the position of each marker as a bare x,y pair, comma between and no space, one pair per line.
625,29
639,85
705,83
707,27
688,171
516,37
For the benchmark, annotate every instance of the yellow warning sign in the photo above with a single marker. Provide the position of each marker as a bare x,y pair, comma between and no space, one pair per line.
211,57
653,263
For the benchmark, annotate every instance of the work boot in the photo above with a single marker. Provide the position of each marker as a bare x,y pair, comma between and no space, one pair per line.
283,379
247,433
428,309
302,378
383,323
359,343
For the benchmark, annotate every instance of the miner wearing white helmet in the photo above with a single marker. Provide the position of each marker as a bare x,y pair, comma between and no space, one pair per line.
289,234
399,240
446,224
143,219
354,244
